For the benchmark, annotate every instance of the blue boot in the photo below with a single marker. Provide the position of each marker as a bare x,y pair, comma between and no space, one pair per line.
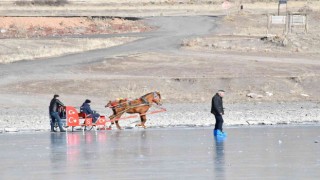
219,133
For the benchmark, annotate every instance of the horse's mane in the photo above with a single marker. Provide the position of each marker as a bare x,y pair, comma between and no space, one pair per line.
117,102
120,101
158,93
146,95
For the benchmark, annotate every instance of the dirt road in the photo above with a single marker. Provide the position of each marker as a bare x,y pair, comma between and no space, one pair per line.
172,30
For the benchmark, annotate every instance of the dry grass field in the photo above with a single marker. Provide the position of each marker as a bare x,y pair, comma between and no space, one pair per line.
13,50
27,38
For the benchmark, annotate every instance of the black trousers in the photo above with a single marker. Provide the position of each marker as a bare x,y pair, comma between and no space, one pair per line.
219,122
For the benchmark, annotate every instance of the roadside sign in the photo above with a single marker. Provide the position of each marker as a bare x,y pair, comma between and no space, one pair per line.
278,19
298,20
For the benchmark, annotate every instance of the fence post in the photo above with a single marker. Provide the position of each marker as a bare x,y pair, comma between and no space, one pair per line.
268,24
306,24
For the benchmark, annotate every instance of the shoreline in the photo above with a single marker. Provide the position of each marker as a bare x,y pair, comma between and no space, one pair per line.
178,127
184,115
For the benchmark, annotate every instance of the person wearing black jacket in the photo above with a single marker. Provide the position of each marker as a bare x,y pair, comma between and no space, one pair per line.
55,104
218,110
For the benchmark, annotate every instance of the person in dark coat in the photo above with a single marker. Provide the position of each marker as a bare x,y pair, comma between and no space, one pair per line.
55,104
218,110
85,108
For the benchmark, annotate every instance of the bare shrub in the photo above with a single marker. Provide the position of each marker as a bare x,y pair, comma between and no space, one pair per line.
42,2
22,3
192,42
305,9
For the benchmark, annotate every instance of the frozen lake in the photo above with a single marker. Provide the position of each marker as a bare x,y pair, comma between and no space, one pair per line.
285,152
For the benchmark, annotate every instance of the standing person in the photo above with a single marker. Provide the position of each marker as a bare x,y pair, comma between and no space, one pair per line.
218,110
87,109
55,104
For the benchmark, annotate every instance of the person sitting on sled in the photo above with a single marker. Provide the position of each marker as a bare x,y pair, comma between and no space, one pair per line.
85,108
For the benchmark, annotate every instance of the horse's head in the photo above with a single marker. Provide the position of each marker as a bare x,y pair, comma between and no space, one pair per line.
153,97
157,98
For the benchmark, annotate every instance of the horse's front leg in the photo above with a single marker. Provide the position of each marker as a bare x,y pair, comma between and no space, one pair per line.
115,119
143,121
111,120
118,126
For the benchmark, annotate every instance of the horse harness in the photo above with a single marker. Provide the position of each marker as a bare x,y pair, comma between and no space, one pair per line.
129,103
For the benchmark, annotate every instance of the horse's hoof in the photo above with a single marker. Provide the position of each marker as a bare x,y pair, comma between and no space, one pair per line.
140,125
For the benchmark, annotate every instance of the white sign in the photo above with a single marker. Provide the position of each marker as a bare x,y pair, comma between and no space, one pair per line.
278,19
298,20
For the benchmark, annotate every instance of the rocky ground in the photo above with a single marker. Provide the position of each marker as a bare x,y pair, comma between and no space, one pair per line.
246,33
183,115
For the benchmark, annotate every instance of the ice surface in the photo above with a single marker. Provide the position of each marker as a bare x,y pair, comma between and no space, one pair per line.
170,153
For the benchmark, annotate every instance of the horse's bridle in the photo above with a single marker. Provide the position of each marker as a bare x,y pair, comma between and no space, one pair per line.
156,97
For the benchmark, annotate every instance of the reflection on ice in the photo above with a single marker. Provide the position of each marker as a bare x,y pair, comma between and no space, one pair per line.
219,160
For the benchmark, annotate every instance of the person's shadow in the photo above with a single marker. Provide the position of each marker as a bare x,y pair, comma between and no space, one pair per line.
219,159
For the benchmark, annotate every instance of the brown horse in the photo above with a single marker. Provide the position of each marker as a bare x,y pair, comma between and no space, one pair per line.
140,105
